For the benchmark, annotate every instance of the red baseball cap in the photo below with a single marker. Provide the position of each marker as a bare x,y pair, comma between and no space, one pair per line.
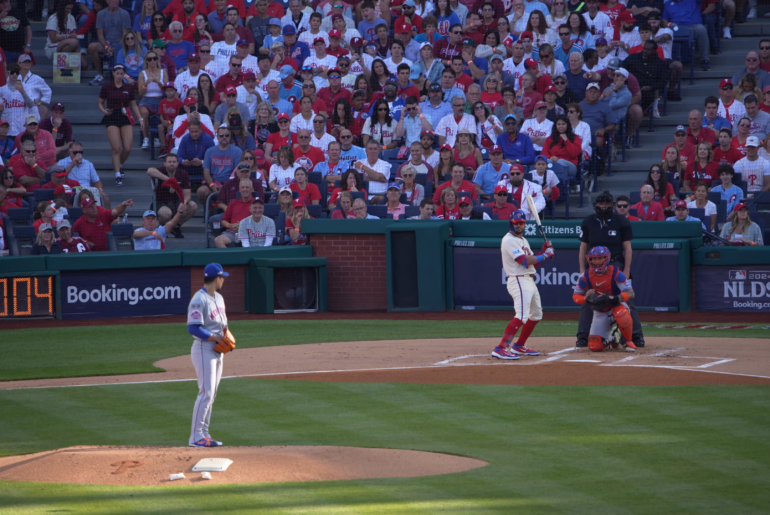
526,35
627,16
283,116
62,173
356,42
680,203
259,157
496,149
335,34
63,189
249,75
540,104
86,202
446,146
319,40
550,89
499,189
299,202
530,63
57,106
517,167
190,101
740,206
335,17
230,90
169,85
194,57
403,28
725,82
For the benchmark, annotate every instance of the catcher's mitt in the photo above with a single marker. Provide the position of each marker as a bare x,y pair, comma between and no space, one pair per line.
601,302
227,344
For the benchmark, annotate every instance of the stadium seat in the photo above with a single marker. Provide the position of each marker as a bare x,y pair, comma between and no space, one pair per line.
20,216
211,231
632,212
73,213
154,122
280,228
379,211
422,178
120,237
411,211
43,195
314,210
24,237
484,209
428,189
635,197
700,213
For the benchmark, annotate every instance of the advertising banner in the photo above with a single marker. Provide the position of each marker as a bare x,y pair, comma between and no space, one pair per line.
732,288
479,279
125,293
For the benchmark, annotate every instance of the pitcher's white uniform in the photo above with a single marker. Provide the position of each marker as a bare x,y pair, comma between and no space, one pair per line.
209,312
521,285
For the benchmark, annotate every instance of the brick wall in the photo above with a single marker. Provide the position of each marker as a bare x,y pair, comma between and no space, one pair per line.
356,270
234,290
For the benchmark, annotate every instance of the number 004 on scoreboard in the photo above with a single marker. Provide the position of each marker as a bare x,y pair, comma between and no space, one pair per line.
27,297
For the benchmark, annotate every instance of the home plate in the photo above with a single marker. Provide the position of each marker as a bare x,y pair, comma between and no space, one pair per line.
212,465
581,361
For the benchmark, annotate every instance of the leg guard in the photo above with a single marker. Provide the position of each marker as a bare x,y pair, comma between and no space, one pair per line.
595,343
623,318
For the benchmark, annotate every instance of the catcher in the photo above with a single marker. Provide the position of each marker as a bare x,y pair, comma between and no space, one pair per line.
605,289
207,323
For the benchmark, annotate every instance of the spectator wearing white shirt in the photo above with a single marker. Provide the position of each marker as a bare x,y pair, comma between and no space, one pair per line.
15,105
539,127
755,170
35,86
702,202
396,57
248,95
380,127
451,124
228,46
257,230
376,170
296,17
580,128
249,63
319,138
321,62
303,119
282,172
188,78
309,36
80,169
599,24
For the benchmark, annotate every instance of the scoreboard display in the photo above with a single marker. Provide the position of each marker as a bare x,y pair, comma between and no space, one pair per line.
27,296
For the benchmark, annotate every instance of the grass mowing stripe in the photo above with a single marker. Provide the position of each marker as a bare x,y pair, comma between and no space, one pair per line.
125,349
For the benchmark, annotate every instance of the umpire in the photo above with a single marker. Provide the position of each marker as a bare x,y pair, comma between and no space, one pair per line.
613,231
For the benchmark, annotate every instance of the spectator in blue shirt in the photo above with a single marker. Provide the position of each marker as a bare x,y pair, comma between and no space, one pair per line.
711,118
178,49
369,21
682,214
219,163
434,108
687,13
413,123
727,190
297,50
516,145
490,174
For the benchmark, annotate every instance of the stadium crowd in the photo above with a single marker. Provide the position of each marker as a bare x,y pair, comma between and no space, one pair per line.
268,113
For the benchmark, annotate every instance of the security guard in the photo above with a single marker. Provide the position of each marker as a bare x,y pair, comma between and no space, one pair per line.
607,229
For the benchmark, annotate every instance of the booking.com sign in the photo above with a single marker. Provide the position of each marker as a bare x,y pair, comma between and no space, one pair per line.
125,293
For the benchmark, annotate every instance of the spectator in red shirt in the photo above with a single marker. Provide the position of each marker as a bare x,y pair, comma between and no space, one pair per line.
5,202
236,211
726,153
44,213
27,170
306,155
95,223
457,182
685,148
168,109
702,168
664,191
409,17
696,132
649,210
307,191
449,210
500,206
334,48
406,88
59,178
44,142
234,78
330,94
70,244
622,204
562,146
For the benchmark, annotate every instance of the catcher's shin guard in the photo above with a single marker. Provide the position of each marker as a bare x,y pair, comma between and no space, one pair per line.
625,323
595,343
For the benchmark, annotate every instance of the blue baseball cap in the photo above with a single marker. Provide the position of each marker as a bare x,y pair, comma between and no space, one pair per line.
286,71
394,185
414,73
275,21
150,212
214,270
541,157
289,29
508,116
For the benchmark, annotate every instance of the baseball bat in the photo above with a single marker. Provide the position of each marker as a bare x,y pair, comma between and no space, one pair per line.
533,212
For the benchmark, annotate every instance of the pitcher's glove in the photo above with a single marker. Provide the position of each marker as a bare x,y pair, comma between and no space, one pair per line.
227,344
598,302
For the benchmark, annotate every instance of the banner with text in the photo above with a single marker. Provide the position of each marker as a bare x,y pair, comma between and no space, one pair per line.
732,288
125,293
479,279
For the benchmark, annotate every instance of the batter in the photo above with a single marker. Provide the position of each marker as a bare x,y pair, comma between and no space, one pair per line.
519,264
207,323
603,279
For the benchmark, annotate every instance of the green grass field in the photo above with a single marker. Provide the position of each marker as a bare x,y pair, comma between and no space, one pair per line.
550,449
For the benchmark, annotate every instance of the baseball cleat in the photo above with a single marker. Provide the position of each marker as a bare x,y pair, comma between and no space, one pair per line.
503,354
206,442
630,345
524,351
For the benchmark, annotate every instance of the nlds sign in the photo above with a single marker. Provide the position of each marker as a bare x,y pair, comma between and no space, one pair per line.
723,289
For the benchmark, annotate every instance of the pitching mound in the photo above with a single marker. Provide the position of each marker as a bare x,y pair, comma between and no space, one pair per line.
152,466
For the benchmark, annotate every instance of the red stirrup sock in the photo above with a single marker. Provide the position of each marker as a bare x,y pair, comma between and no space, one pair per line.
510,332
526,331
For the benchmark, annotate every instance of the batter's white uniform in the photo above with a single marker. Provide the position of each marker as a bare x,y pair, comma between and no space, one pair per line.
209,312
521,285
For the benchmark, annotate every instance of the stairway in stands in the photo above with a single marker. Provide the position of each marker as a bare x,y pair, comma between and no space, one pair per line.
81,103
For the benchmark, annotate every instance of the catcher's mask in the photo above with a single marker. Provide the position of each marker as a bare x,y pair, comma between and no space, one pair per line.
599,259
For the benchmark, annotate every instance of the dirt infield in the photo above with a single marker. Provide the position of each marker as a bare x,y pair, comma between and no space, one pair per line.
152,466
663,362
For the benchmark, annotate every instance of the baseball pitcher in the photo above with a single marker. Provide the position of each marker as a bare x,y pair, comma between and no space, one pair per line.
519,264
606,290
207,323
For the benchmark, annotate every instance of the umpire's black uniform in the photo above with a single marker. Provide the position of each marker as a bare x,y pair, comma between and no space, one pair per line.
611,234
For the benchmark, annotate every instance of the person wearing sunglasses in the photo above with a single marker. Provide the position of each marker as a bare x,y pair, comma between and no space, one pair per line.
219,164
729,108
178,48
334,10
14,109
623,203
760,120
